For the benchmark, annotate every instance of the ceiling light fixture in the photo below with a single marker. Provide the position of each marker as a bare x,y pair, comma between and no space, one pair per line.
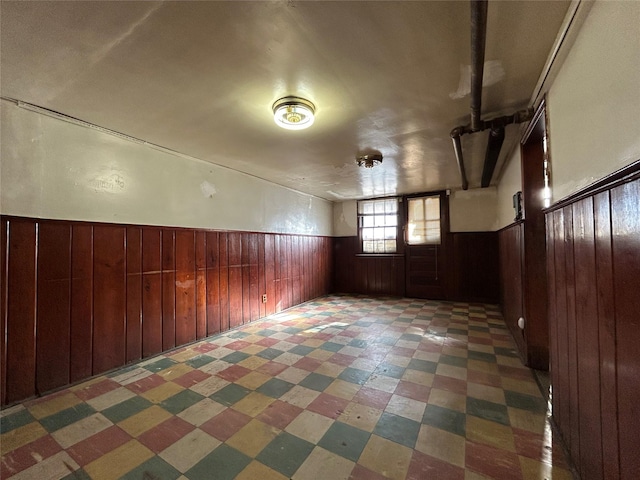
370,160
293,113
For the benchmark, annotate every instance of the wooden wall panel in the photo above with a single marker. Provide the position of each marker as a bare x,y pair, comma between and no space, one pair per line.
474,275
83,298
81,348
151,291
53,306
511,282
593,269
185,287
4,280
168,289
625,237
109,298
21,311
134,294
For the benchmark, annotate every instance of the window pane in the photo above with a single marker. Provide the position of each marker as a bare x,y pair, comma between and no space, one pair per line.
367,221
378,225
423,225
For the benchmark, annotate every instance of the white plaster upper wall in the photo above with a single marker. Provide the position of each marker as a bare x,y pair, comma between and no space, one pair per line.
510,183
54,169
345,218
594,102
473,210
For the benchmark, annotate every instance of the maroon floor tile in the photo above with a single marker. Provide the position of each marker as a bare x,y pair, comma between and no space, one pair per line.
224,425
147,383
402,352
192,378
425,466
328,405
161,436
233,373
413,391
430,346
97,445
483,378
267,342
361,473
297,339
279,414
480,340
372,398
343,360
449,384
532,445
238,345
492,462
272,368
514,372
205,347
97,389
24,457
307,363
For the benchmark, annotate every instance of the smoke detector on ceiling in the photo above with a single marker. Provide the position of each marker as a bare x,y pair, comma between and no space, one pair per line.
370,160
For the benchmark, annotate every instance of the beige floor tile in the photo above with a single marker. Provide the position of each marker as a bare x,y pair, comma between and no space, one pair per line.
534,470
252,349
111,398
313,342
175,371
365,364
525,420
253,363
454,351
386,457
21,436
485,392
320,354
57,466
485,367
78,431
342,389
309,426
162,392
202,411
210,386
144,420
253,437
253,380
330,369
397,360
57,404
380,382
256,470
428,356
361,416
185,355
119,461
300,396
406,407
416,376
441,444
253,404
451,371
189,450
443,398
490,433
528,387
293,375
323,464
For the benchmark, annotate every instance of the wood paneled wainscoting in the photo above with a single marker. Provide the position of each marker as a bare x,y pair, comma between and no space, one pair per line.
79,299
593,265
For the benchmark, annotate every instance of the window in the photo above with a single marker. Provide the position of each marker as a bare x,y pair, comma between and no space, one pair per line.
423,222
378,224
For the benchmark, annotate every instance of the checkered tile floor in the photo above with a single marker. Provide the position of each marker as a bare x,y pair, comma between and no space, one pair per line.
338,388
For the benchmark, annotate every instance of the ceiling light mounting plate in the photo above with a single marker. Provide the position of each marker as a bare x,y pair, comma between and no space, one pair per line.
369,160
293,113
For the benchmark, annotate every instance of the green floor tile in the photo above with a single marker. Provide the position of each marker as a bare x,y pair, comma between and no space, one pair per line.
79,474
331,346
292,330
390,370
358,343
301,350
422,365
398,429
224,463
354,375
230,394
152,469
15,420
238,334
66,417
160,365
479,329
487,410
411,337
269,353
235,357
316,381
445,419
389,341
453,360
266,332
275,388
181,401
285,453
482,356
345,440
199,361
457,331
525,402
505,352
126,409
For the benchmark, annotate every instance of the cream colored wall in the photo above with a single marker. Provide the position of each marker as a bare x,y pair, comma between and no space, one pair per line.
510,182
473,210
594,102
345,218
54,169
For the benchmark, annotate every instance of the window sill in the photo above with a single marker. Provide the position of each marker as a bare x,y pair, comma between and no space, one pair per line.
379,254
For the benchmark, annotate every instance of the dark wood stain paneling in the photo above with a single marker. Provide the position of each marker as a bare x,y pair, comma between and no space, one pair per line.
21,311
85,298
109,298
593,250
511,282
151,291
81,347
475,272
4,225
134,294
54,305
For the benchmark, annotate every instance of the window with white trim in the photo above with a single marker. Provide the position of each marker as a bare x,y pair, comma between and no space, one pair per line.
423,221
378,225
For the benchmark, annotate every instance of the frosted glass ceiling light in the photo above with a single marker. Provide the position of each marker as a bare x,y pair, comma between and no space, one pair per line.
293,113
369,160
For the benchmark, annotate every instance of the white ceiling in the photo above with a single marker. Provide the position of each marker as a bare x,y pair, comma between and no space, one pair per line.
201,77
